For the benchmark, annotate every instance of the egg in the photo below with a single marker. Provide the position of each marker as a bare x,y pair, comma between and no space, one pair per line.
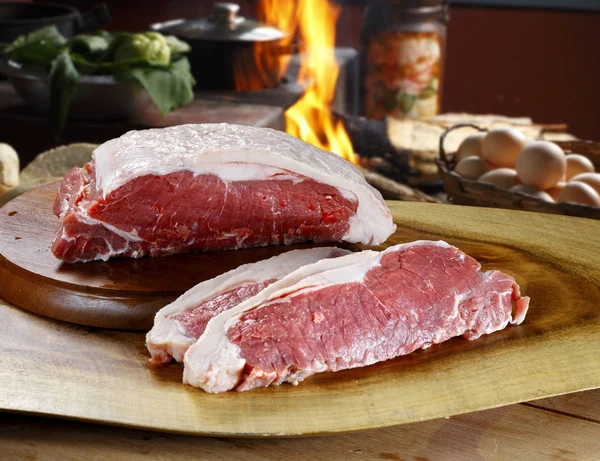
470,147
591,179
577,164
501,177
528,190
579,192
501,146
541,165
554,191
471,167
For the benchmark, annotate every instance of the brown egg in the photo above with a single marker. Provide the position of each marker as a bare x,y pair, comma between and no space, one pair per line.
579,192
577,164
501,146
470,147
528,190
591,179
471,167
541,165
554,191
501,177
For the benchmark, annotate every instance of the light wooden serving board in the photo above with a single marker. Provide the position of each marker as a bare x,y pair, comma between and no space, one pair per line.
54,368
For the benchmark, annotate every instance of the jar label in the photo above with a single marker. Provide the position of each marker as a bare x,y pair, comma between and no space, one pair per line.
403,74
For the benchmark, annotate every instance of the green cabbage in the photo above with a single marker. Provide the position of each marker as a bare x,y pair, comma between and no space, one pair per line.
151,46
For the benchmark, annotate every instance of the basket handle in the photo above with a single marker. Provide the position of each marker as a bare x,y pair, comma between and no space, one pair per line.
443,155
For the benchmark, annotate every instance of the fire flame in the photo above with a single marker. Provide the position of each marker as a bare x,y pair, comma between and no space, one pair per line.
310,119
282,14
269,57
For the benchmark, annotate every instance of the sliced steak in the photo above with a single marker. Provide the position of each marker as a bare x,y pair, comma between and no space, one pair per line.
212,187
350,312
178,325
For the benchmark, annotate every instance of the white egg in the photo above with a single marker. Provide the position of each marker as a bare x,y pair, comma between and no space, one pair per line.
528,190
577,164
501,177
541,164
579,192
471,168
591,179
470,147
501,146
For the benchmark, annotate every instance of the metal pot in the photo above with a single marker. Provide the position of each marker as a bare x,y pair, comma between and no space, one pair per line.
18,18
224,44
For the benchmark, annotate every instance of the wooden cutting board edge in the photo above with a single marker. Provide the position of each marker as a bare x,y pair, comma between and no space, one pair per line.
312,433
123,309
558,249
276,435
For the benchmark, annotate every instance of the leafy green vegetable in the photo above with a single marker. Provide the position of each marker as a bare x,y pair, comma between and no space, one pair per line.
122,66
106,67
84,65
48,35
63,82
151,46
91,46
35,54
98,47
169,88
149,58
38,49
177,46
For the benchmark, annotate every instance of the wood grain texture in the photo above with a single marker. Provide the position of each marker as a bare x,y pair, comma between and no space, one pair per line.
54,368
120,293
583,405
516,432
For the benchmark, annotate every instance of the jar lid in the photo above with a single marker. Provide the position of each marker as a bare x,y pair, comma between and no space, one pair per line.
223,25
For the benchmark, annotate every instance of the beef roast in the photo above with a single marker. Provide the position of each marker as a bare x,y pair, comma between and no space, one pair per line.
212,187
178,325
350,312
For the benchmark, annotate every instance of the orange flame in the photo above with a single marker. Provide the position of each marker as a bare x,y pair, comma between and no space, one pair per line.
283,14
310,119
271,59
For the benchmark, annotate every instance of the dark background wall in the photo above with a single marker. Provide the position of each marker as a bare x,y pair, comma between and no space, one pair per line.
520,62
543,64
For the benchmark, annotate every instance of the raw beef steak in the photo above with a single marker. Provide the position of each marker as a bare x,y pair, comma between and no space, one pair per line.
178,325
212,187
350,312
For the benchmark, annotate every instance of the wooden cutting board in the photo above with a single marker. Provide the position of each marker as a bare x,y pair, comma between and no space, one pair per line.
119,293
59,369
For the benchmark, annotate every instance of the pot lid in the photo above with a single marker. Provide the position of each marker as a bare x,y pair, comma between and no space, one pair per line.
223,25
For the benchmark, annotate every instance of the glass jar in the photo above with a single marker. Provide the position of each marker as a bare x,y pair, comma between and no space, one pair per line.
402,54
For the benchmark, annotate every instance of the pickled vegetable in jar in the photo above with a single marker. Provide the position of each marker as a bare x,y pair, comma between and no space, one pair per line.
402,51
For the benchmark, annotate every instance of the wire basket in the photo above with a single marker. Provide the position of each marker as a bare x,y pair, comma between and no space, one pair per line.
463,191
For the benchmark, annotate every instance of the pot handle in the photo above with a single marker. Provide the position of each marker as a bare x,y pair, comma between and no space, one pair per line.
99,14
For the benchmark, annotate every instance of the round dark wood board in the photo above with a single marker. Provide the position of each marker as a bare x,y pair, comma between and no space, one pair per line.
120,293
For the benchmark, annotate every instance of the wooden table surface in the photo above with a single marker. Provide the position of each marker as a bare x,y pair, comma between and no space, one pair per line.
564,428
